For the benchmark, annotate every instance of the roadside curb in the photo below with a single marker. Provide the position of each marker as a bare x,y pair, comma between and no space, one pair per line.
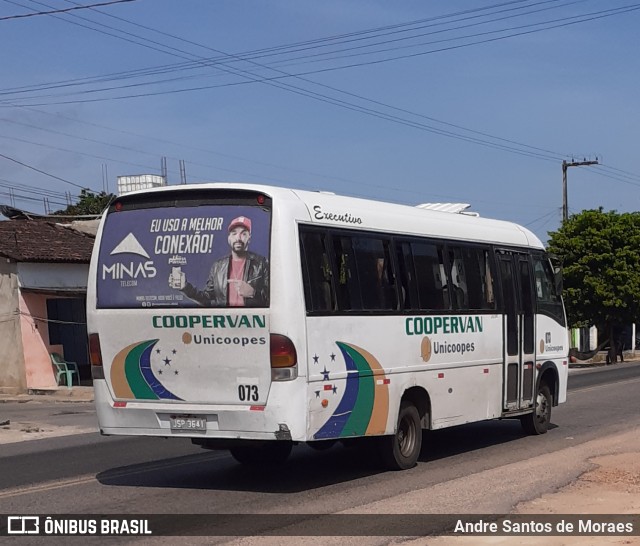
65,395
601,364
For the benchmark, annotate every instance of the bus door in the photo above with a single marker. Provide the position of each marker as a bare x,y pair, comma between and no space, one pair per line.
518,328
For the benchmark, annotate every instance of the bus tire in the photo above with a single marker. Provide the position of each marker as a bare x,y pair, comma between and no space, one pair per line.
270,453
401,450
538,421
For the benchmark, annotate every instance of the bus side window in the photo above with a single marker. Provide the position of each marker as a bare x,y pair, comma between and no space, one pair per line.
316,268
547,301
479,281
431,276
347,282
487,272
377,281
375,285
457,285
406,277
389,279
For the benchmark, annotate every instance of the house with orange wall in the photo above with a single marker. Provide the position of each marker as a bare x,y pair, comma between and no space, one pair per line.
43,281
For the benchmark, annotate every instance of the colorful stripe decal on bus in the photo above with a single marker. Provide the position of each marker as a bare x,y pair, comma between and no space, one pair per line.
364,406
132,376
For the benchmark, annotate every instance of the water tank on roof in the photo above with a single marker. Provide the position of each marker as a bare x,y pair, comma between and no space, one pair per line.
131,183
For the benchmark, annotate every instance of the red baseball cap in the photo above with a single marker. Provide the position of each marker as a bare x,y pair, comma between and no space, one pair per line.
241,221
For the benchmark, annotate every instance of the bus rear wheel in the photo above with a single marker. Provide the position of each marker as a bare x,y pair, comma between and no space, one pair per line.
269,453
539,420
401,451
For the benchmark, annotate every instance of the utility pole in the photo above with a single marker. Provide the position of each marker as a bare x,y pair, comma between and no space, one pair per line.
565,166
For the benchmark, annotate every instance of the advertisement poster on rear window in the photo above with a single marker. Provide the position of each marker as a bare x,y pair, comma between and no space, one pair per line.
209,256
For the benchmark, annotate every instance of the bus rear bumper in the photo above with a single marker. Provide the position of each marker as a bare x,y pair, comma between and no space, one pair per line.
151,418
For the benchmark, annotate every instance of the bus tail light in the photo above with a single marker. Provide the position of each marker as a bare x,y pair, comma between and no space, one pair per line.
95,357
284,358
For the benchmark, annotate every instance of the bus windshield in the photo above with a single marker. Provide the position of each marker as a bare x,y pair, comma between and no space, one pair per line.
213,255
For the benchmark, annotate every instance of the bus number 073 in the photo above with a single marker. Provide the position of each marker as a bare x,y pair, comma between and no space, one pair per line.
248,392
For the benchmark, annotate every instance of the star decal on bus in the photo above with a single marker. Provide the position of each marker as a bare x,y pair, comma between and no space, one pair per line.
363,408
132,375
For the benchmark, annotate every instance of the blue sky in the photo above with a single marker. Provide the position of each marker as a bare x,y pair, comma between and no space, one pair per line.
513,107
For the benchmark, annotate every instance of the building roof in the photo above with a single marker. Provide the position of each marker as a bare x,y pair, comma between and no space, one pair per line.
43,241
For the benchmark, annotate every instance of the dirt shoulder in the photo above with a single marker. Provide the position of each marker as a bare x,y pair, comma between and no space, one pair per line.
612,486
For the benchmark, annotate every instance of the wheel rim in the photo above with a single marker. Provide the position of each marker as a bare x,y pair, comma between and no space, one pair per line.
406,437
542,408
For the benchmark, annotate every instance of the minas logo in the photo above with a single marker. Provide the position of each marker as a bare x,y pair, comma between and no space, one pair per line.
130,245
132,269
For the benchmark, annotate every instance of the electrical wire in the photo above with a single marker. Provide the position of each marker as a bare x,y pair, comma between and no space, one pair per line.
65,10
198,63
41,171
48,320
352,106
385,116
372,112
251,55
367,111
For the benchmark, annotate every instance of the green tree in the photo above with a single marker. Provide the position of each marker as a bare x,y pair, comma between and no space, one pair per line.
600,255
88,203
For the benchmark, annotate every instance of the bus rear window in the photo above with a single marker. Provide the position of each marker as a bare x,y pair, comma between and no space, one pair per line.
172,256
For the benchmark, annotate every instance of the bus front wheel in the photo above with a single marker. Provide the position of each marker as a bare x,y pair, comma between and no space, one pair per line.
401,450
539,420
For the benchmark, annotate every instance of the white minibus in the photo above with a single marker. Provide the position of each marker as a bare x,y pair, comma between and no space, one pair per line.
249,317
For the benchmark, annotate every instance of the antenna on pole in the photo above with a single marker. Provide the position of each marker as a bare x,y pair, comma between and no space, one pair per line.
163,169
183,172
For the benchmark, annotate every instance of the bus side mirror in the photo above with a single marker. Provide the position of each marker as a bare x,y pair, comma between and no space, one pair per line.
557,273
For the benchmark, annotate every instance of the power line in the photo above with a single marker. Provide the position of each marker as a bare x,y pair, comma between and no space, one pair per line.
253,175
546,215
236,57
215,62
64,10
350,106
27,188
632,180
253,55
355,107
42,172
101,142
529,150
430,33
361,109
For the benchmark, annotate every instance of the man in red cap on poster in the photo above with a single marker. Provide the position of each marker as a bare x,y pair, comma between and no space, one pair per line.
240,279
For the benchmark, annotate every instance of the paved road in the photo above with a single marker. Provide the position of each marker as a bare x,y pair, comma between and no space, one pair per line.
479,468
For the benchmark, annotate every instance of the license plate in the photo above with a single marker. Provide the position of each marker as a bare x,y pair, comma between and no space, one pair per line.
180,423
